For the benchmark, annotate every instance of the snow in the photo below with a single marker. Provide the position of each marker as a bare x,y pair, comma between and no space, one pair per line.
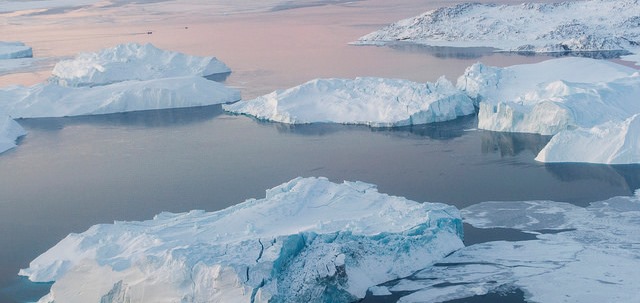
551,96
10,131
592,256
376,102
132,61
608,143
308,240
576,26
14,50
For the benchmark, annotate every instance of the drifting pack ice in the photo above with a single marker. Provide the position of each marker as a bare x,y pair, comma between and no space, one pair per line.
14,50
575,26
376,102
308,240
132,61
585,100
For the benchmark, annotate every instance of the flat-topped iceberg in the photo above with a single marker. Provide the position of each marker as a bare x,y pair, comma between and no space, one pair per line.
581,254
608,143
551,96
10,131
308,240
14,50
132,61
51,100
592,25
377,102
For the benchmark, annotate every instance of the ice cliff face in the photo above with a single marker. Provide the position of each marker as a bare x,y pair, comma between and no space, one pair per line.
308,240
593,25
376,102
14,50
132,61
551,96
10,131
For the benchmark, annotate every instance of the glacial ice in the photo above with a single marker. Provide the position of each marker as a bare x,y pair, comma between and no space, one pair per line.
551,96
132,61
14,50
580,255
10,131
308,240
573,26
376,102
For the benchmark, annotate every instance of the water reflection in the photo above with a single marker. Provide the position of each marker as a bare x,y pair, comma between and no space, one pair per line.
512,144
151,118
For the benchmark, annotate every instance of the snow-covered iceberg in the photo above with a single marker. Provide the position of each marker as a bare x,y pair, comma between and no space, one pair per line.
308,240
580,255
132,61
551,96
608,143
377,102
592,25
10,131
51,100
14,50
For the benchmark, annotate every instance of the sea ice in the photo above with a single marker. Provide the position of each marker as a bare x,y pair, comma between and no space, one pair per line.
14,50
573,26
581,255
132,61
308,240
551,96
10,131
377,102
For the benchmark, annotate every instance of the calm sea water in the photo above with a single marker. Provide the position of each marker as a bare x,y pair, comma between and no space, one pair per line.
70,173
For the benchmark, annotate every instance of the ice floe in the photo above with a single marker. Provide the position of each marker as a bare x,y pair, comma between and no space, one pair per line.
308,240
132,61
580,255
10,131
14,50
377,102
572,26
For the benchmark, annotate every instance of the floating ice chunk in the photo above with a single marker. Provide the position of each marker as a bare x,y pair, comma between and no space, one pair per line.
51,100
308,240
551,96
14,50
575,26
10,131
608,143
132,61
377,102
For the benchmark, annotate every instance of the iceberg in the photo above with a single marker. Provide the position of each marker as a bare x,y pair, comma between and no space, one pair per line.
573,26
308,240
10,131
132,61
608,143
51,100
377,102
14,50
551,96
581,254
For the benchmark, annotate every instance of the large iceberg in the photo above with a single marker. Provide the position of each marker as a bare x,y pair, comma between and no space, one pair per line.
592,25
10,131
608,143
377,102
14,50
308,240
581,254
51,100
132,61
551,96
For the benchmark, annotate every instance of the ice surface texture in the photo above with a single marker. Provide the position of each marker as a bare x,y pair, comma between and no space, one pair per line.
375,102
10,131
14,50
308,240
132,61
593,25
